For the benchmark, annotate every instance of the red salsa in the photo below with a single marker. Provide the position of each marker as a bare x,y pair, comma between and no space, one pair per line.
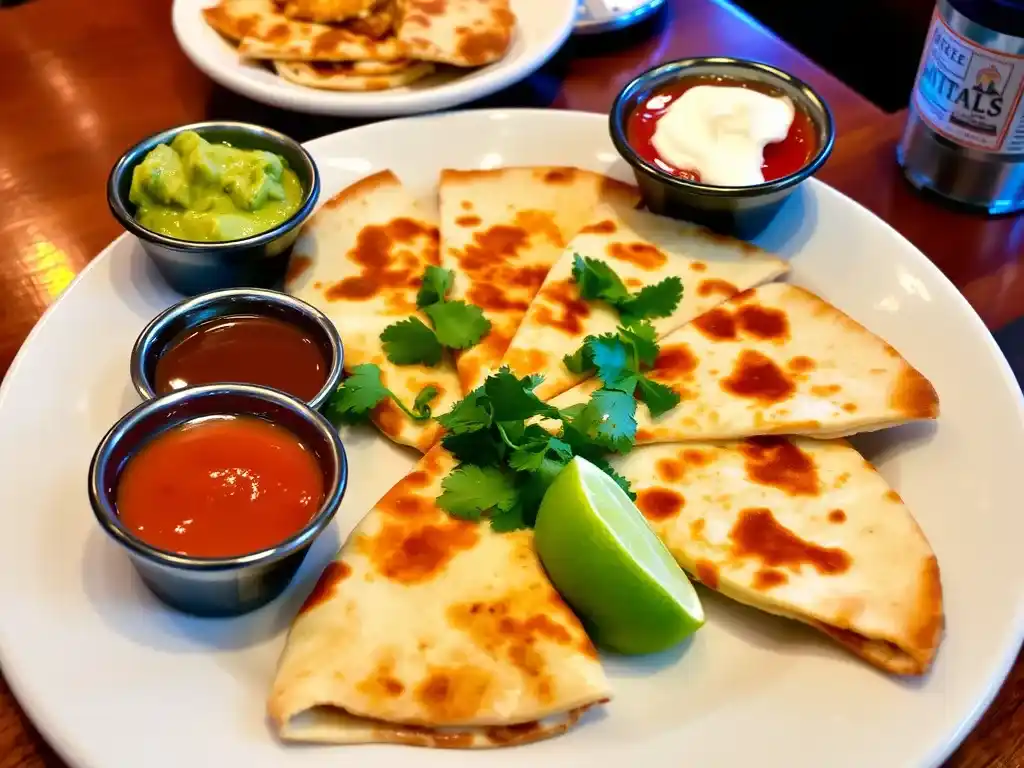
780,158
249,349
220,486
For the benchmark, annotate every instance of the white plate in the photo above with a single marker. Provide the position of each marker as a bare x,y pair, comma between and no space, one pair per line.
541,28
107,673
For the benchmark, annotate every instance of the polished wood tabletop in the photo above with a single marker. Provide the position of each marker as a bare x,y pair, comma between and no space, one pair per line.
80,81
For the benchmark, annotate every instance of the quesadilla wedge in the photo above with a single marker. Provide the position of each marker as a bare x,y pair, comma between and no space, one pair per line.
346,76
466,33
360,260
801,528
642,249
501,230
263,33
435,631
777,360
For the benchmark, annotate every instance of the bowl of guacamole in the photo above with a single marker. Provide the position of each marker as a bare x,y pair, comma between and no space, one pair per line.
215,205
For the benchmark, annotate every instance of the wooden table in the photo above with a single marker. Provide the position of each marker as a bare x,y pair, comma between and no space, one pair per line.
80,81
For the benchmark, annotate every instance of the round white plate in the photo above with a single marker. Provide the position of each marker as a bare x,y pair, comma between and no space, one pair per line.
541,28
109,674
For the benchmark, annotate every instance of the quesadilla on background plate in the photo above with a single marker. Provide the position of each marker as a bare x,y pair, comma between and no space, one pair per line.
352,75
801,528
466,33
501,230
434,631
263,33
777,360
360,260
642,249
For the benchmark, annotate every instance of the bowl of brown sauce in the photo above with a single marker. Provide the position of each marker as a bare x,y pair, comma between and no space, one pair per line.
241,335
217,492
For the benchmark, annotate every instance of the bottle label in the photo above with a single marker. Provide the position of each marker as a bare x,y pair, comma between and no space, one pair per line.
970,94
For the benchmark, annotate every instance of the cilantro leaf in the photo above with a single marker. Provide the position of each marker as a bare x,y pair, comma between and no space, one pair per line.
580,361
512,519
435,286
470,491
458,325
469,414
531,456
614,424
481,448
512,398
659,398
612,361
597,281
358,394
658,300
421,405
644,339
411,342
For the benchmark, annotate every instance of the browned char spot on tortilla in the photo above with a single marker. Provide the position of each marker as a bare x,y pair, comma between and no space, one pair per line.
757,377
837,516
409,553
659,504
717,324
297,266
779,463
707,573
715,285
758,535
335,573
643,255
513,627
468,221
381,684
913,396
571,309
766,578
603,227
456,693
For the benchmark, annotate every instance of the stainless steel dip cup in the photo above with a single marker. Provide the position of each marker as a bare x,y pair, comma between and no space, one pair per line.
191,267
216,586
167,327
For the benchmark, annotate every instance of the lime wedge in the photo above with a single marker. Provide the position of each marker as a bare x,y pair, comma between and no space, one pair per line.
610,567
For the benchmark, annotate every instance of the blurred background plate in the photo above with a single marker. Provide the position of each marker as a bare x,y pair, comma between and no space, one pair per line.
542,26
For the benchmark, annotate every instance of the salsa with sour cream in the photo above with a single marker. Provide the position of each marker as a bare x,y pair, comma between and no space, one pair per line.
780,158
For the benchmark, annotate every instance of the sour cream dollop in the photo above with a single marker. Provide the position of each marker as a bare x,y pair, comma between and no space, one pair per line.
721,132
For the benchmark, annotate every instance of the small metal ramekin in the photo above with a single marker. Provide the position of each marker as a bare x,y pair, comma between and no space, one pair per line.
191,267
167,327
740,211
216,586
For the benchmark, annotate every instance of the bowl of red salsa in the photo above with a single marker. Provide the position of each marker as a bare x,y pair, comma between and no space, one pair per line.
217,492
720,141
243,335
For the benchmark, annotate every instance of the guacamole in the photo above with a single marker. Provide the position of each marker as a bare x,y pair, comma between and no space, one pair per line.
196,190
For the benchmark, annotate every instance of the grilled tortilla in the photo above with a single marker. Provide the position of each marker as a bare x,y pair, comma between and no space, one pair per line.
643,249
263,33
501,230
801,528
777,360
434,631
360,260
466,33
346,75
326,11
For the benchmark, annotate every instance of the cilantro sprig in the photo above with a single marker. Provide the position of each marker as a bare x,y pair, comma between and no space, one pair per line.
363,390
456,324
506,463
598,282
620,360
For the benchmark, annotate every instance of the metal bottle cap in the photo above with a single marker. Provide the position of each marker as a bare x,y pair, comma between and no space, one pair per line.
596,16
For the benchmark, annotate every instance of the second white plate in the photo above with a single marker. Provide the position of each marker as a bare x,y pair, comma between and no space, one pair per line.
542,26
